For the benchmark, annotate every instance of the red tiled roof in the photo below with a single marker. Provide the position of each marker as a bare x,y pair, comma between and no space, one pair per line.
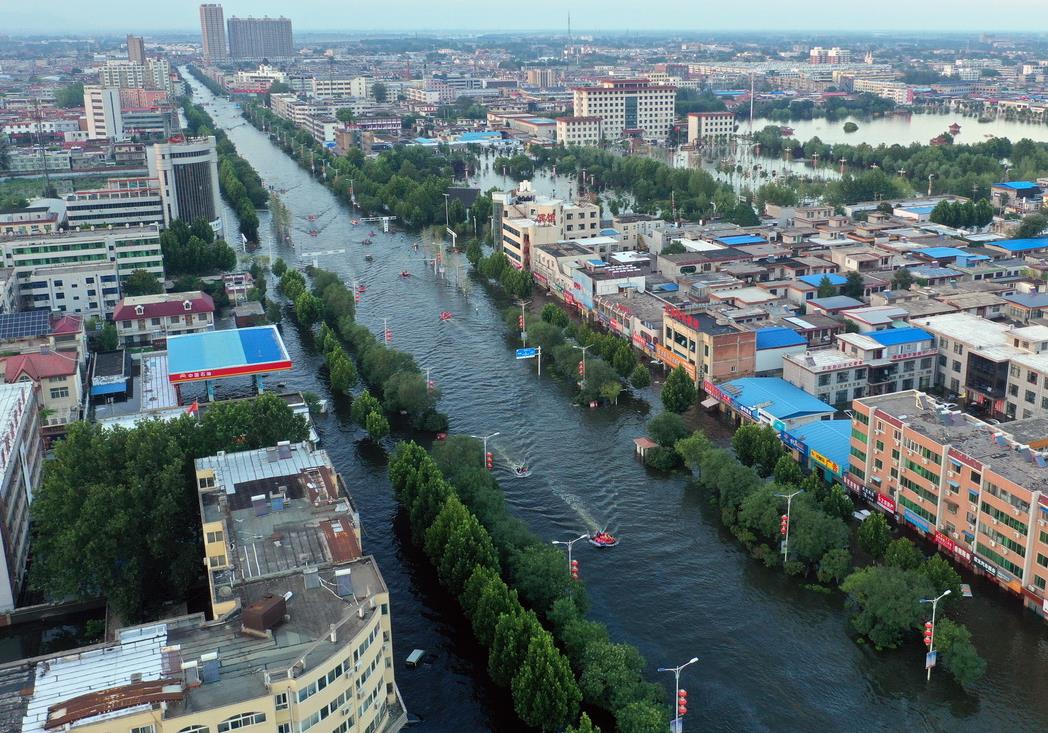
39,365
67,324
201,303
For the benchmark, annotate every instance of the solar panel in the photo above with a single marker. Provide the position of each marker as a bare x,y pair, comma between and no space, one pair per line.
25,324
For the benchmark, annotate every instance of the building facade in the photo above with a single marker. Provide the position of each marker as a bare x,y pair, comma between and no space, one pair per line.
628,107
55,375
124,201
213,32
103,113
188,176
136,50
259,38
21,460
144,320
710,126
707,348
578,131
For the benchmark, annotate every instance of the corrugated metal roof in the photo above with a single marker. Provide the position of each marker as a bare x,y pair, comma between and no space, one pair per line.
816,280
777,337
776,396
894,336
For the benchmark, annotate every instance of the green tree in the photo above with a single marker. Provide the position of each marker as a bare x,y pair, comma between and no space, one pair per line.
610,674
108,339
902,279
610,391
540,575
675,247
1031,226
744,215
853,286
693,449
377,426
308,309
509,645
903,554
142,282
545,694
874,535
787,472
943,576
553,313
379,92
71,95
292,284
826,288
345,114
678,392
960,658
274,313
667,428
341,371
279,267
363,405
585,726
641,377
468,547
485,598
642,717
886,602
834,565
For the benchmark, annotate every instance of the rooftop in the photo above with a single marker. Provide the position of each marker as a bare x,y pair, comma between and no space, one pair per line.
776,397
836,302
163,304
896,336
1019,245
777,337
967,434
816,280
830,438
228,353
1028,300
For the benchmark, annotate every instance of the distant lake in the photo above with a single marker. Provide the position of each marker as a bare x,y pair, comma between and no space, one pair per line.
903,130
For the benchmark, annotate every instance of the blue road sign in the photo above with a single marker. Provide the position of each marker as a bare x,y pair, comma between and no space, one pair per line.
528,353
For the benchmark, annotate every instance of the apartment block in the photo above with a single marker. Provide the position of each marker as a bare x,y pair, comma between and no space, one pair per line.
136,49
864,364
531,221
103,113
896,91
980,491
123,201
710,126
213,32
56,377
628,107
300,636
21,459
259,38
578,130
89,289
144,320
357,86
154,73
706,346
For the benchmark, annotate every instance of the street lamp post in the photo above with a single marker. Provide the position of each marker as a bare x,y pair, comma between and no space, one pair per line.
677,725
583,350
485,438
931,635
786,541
569,544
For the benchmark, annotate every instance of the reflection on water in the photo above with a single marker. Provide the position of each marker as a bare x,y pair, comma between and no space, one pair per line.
773,656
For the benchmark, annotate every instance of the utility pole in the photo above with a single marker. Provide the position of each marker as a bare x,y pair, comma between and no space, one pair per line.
784,524
929,631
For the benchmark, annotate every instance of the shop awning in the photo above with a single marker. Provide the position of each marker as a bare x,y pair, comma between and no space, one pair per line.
104,389
710,402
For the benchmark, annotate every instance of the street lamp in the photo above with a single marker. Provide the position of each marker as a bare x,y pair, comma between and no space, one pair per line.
678,699
785,526
583,372
486,438
929,633
569,544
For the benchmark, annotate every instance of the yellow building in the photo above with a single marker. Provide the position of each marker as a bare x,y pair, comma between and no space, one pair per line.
300,640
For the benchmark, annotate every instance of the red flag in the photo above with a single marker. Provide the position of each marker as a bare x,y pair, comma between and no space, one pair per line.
194,408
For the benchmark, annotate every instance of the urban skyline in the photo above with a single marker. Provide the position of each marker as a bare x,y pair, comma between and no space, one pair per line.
587,15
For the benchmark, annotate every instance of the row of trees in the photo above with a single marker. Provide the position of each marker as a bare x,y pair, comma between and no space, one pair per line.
393,375
192,249
962,214
884,597
116,515
516,590
785,110
239,182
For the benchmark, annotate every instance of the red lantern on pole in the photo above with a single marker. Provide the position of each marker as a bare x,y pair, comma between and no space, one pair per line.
784,524
489,461
682,709
582,369
520,322
682,693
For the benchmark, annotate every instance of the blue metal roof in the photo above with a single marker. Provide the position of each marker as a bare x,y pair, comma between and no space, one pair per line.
1020,245
816,280
940,253
895,336
776,396
836,301
236,348
1017,185
737,239
931,271
777,337
104,389
480,136
1028,300
831,438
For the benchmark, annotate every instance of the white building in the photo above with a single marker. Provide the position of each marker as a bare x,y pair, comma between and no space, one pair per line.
628,107
710,126
91,289
188,175
102,110
578,130
155,73
134,201
146,319
357,86
21,456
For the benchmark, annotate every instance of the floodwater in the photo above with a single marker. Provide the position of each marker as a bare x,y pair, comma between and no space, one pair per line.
773,656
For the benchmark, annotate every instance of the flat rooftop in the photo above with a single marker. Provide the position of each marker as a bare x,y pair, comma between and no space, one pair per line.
228,353
965,433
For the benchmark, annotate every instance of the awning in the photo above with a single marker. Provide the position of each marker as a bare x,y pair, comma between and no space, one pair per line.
710,402
104,389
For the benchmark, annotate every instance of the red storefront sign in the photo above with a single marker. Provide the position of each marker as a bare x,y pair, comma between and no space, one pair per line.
639,341
712,390
886,502
945,542
541,278
852,483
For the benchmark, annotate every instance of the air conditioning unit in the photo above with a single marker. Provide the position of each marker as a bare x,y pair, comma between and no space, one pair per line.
346,711
1042,523
994,520
1032,588
954,535
993,544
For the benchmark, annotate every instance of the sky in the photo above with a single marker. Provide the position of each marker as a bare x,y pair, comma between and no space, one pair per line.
909,16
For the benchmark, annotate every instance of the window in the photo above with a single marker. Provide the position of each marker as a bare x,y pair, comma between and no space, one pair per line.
284,728
280,701
216,536
243,720
217,561
144,729
195,729
58,393
207,482
154,321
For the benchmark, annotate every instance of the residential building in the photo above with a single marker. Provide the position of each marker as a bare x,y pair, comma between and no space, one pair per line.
896,91
357,86
188,176
531,221
154,73
55,375
90,289
767,401
979,491
40,217
542,78
259,38
145,320
1017,197
578,131
103,113
129,248
706,346
21,459
136,50
213,32
628,107
710,126
124,201
773,344
300,636
31,331
820,55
